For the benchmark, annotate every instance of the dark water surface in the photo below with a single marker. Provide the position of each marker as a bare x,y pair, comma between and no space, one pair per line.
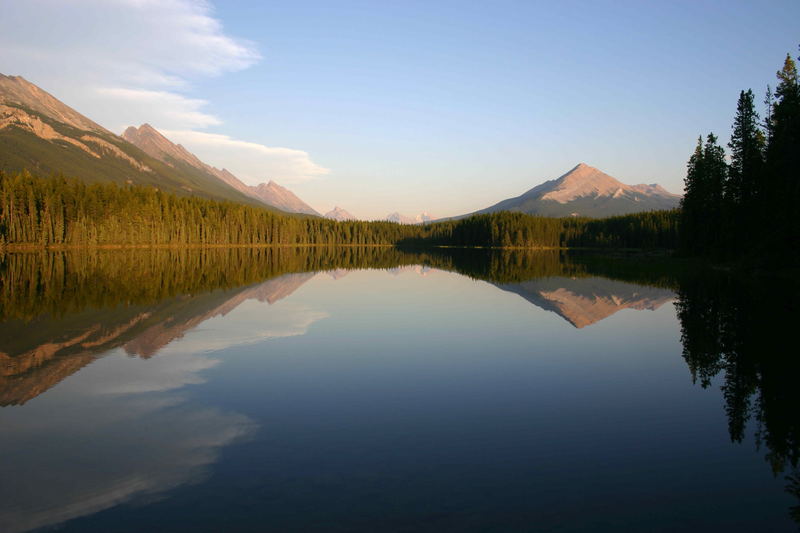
381,390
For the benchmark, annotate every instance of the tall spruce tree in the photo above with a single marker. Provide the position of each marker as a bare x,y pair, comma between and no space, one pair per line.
783,159
745,175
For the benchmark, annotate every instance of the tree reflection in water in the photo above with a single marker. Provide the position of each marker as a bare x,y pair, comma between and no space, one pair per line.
742,332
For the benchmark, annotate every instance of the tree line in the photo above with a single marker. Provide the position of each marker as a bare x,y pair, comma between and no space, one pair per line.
747,205
55,211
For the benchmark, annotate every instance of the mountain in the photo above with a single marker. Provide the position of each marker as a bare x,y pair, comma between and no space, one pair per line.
337,213
152,142
403,219
273,194
586,191
584,301
42,134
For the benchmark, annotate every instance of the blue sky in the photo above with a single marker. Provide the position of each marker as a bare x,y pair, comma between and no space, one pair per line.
444,107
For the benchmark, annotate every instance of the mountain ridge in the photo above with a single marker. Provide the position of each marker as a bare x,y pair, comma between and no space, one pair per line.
43,135
157,145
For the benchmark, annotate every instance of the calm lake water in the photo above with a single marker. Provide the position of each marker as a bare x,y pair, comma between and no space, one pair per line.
381,390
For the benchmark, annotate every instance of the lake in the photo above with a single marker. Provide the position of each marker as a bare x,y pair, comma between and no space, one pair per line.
376,389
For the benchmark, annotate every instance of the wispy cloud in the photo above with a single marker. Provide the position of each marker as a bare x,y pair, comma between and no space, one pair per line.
251,162
125,62
175,108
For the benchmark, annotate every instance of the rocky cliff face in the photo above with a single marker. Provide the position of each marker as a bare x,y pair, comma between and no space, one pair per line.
19,91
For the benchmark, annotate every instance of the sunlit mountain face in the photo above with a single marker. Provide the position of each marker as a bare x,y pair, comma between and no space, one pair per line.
588,192
295,385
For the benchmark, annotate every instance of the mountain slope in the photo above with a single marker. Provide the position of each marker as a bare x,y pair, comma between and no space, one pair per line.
18,90
586,191
45,136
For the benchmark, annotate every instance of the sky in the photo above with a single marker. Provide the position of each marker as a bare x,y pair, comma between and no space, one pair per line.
437,106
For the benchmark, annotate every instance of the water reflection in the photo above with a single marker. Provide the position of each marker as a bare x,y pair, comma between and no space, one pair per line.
743,331
37,354
64,309
175,311
584,301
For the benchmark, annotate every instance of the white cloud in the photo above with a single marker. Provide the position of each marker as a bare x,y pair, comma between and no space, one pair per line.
253,163
173,108
126,62
121,61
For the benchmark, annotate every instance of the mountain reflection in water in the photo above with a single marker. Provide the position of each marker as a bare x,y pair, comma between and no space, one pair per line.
61,311
39,350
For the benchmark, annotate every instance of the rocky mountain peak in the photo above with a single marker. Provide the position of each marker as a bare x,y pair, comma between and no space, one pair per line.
587,191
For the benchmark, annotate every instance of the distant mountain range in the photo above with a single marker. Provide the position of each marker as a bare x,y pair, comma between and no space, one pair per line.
42,134
422,218
337,213
586,191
